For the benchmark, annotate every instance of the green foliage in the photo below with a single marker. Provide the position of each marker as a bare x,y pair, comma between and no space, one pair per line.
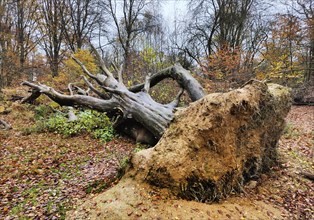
138,148
39,127
42,111
290,132
124,162
105,134
89,121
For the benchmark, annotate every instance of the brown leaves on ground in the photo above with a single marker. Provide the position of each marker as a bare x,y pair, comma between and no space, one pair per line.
285,186
44,175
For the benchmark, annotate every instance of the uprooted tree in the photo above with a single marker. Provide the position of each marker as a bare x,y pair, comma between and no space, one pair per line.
210,150
205,151
133,108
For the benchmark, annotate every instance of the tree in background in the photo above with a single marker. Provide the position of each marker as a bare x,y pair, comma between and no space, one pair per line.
226,39
52,31
79,20
224,30
17,37
26,26
282,54
128,26
306,8
6,34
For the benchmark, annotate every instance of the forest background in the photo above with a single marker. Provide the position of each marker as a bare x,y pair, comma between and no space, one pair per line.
224,41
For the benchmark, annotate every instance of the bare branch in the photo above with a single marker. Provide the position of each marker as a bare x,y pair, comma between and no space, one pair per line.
81,91
119,71
176,101
30,99
84,68
114,91
99,78
147,83
120,74
75,100
5,125
96,91
70,89
101,61
181,75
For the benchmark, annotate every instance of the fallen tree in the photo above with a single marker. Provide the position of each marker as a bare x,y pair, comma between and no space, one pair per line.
205,151
133,107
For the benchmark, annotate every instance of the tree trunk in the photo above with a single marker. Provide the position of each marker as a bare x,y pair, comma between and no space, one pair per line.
133,104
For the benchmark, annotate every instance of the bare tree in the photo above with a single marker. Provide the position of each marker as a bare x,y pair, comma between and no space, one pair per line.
223,25
6,41
307,9
52,32
80,20
127,26
26,26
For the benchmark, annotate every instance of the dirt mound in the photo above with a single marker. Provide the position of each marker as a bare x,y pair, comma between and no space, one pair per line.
217,144
210,149
131,200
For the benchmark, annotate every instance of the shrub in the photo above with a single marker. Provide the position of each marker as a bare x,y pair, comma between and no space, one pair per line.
89,121
42,112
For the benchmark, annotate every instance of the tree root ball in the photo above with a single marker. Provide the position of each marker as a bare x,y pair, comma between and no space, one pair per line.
217,144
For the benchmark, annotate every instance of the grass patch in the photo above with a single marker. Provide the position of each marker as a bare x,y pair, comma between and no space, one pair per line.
290,132
123,164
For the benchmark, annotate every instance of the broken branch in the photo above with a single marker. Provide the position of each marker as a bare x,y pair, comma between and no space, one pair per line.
181,75
5,125
147,83
96,91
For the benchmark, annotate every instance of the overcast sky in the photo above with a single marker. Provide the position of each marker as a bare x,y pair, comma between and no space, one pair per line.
173,8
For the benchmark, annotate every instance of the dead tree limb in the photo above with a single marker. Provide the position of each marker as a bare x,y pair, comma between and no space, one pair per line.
306,175
179,74
30,99
132,104
4,125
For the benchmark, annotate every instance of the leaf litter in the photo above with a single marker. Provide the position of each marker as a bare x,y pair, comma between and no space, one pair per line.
42,176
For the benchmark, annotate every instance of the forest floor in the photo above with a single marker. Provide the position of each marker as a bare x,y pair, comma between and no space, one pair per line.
44,175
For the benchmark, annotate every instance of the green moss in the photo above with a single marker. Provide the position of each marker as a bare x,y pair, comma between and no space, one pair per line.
96,187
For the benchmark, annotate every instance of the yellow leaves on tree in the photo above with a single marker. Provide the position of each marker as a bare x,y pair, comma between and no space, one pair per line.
72,72
282,55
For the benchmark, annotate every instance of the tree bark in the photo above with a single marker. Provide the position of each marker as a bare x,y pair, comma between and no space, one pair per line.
133,104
